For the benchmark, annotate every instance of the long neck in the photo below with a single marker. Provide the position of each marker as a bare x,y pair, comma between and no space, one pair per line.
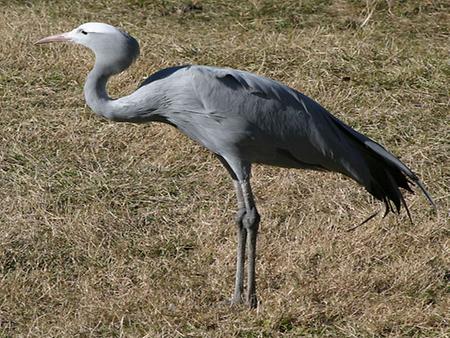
95,92
125,109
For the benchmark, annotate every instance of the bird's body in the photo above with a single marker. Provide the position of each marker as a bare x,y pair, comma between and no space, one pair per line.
261,125
240,115
243,118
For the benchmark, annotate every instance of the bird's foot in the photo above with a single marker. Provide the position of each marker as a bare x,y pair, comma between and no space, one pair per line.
252,301
235,301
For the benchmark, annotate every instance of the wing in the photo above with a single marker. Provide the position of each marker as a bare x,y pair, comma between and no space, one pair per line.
162,74
276,124
287,128
244,116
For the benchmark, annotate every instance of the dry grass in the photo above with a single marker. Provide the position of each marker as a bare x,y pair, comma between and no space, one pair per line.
119,230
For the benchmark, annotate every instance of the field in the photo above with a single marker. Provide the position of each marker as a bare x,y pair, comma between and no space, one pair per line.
121,230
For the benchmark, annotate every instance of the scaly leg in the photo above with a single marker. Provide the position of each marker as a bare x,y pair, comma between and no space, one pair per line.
242,237
251,224
247,220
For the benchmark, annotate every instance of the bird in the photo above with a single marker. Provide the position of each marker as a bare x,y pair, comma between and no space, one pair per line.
242,118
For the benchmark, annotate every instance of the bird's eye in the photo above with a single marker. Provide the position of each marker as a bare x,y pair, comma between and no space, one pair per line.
83,32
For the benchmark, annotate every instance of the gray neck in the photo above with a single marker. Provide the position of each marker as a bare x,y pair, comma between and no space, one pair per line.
95,92
126,109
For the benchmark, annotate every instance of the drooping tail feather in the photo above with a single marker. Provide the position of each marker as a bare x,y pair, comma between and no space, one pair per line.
388,173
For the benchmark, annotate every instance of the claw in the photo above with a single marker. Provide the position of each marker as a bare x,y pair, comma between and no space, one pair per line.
252,301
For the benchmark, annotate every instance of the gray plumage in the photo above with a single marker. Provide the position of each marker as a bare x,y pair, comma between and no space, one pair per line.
243,118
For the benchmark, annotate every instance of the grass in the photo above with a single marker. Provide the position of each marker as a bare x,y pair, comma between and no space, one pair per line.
121,230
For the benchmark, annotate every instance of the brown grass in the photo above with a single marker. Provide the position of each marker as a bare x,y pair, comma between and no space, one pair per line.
122,230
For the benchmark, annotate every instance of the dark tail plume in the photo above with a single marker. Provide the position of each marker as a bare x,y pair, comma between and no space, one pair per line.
388,173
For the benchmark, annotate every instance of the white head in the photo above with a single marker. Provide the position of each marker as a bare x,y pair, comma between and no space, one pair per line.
114,49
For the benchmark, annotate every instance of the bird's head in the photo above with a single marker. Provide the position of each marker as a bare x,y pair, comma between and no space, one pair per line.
113,48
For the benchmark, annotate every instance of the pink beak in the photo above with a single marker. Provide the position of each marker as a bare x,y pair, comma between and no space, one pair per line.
54,38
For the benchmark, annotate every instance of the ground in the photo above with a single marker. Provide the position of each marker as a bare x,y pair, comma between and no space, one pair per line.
121,230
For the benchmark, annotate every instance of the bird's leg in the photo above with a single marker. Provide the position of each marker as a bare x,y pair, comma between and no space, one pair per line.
247,221
241,236
251,225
